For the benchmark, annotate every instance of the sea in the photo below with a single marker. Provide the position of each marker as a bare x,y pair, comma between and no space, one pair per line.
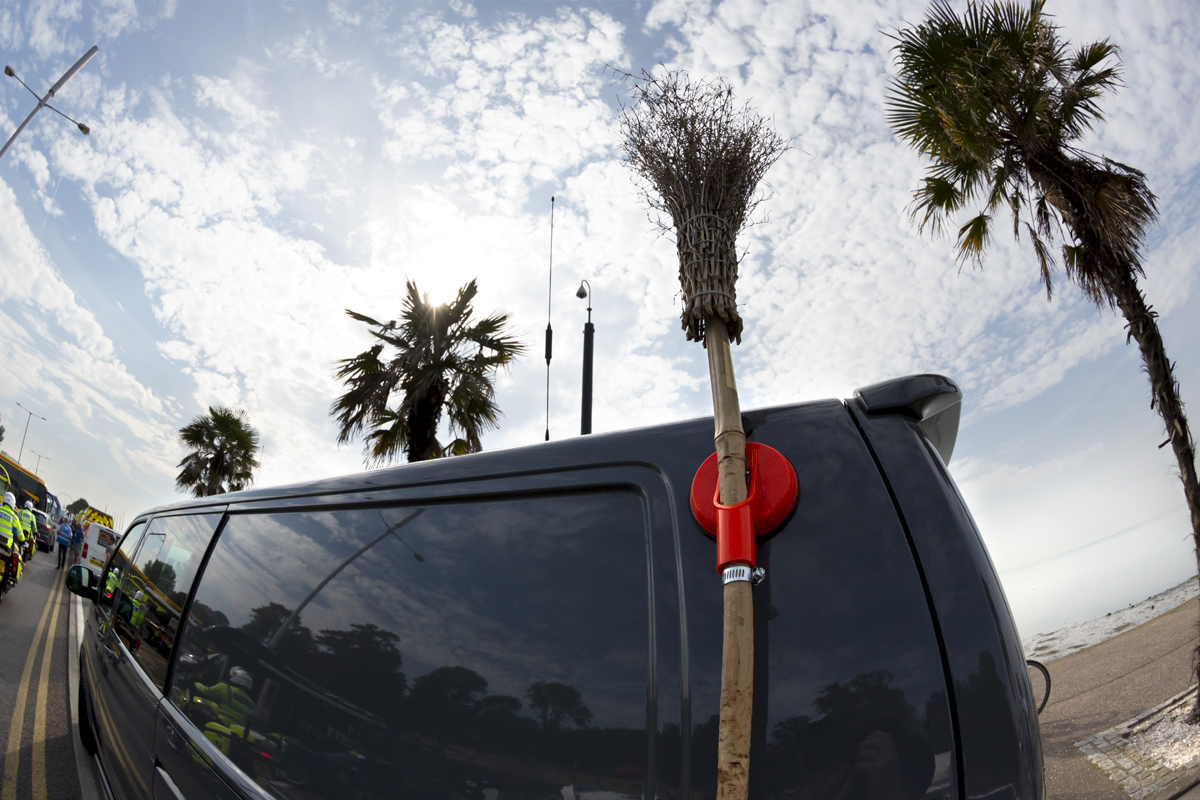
1046,647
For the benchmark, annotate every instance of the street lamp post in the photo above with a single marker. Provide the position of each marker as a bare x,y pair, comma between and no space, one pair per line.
589,333
27,421
45,101
39,461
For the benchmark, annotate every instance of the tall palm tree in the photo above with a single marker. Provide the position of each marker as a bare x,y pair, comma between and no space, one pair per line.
223,445
441,360
998,101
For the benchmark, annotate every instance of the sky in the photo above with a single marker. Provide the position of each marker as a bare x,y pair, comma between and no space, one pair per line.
256,168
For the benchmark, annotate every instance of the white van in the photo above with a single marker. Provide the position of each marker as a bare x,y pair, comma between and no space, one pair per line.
98,542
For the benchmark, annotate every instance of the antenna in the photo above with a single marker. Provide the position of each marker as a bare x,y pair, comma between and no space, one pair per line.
549,330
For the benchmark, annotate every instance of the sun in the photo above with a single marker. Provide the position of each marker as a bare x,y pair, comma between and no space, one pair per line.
438,287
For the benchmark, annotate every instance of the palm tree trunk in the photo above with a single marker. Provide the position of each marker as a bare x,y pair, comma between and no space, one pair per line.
1143,327
1054,174
423,420
215,468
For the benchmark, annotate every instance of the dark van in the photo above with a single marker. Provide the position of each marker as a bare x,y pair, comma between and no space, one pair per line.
544,623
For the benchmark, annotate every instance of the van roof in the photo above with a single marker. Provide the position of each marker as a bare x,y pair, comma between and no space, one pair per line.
922,396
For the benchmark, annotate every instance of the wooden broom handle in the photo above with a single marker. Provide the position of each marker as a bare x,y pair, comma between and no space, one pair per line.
737,655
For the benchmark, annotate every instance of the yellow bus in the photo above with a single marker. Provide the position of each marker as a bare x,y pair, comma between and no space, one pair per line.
23,484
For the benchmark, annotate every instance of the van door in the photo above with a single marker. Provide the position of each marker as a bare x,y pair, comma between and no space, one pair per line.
150,578
467,649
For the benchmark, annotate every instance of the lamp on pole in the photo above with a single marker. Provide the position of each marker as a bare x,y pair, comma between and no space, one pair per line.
589,333
45,101
39,461
27,421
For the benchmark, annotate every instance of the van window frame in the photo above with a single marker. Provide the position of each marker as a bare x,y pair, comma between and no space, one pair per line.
645,480
191,512
106,610
201,512
185,609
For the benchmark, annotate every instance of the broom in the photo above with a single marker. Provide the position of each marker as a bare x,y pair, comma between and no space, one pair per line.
700,159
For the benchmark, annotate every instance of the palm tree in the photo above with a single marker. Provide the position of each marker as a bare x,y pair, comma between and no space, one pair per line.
441,360
997,101
223,444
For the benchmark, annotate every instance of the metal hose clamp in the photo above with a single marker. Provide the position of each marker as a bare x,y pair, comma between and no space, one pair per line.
743,573
738,572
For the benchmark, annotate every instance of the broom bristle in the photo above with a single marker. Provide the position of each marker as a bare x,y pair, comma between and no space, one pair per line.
700,160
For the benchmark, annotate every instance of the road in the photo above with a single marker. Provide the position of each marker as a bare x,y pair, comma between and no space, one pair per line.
35,717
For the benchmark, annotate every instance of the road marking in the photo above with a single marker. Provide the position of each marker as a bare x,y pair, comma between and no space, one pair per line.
39,716
13,757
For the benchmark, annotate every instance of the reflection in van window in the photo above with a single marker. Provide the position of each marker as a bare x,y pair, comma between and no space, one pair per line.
487,651
157,586
117,566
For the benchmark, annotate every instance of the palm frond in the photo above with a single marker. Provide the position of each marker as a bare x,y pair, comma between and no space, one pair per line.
935,199
363,318
369,385
973,238
389,439
1045,260
996,98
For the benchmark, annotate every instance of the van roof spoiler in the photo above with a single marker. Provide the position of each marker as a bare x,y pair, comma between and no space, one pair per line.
934,401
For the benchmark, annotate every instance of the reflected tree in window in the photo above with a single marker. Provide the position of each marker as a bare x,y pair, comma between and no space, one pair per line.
447,700
364,664
203,614
867,742
265,621
162,575
557,703
500,726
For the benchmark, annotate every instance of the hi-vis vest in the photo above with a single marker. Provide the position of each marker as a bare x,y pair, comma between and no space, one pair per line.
28,522
9,525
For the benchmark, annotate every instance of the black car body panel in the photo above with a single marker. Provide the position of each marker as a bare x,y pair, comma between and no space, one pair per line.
999,745
545,622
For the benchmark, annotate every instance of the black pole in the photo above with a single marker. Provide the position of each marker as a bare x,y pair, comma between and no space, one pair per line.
549,330
589,332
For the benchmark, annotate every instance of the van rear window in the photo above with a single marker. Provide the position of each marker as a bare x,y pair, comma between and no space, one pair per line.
461,651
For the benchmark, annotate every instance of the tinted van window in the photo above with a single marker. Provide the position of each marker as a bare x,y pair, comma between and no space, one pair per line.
157,586
116,566
456,651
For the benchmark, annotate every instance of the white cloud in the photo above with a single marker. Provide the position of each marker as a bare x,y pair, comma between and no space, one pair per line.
46,22
513,105
341,14
56,350
311,47
113,17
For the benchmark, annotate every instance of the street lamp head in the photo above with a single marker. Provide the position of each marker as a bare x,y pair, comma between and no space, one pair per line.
86,130
582,293
8,71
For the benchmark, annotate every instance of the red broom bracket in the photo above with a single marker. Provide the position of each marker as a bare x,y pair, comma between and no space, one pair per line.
772,494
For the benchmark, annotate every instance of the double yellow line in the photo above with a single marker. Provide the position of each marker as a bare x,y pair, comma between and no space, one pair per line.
13,756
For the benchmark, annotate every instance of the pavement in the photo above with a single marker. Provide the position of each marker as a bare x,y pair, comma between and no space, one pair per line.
1100,687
